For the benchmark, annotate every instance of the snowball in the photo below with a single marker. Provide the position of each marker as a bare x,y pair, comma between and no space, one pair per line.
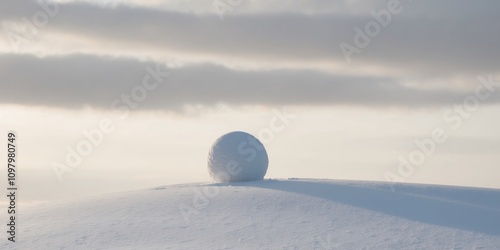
237,156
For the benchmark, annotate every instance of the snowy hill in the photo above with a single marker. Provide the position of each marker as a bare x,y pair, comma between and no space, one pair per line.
270,214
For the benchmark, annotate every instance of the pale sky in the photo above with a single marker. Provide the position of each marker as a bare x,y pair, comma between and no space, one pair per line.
363,90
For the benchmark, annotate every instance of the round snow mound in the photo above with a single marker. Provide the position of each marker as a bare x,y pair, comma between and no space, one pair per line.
236,157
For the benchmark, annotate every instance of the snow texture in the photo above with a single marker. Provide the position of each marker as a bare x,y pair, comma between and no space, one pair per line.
269,214
237,157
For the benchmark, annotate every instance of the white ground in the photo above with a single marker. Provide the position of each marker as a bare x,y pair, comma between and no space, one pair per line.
270,214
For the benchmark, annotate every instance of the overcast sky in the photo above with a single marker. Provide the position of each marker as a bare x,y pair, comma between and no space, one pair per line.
358,82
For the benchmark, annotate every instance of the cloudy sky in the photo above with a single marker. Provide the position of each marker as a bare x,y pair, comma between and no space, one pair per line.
370,90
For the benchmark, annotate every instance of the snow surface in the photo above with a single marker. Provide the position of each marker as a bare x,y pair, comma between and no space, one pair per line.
269,214
236,157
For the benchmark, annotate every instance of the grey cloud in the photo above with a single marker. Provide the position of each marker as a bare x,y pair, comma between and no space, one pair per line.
78,80
453,37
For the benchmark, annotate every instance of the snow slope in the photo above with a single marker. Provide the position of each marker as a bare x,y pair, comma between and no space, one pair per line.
269,214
